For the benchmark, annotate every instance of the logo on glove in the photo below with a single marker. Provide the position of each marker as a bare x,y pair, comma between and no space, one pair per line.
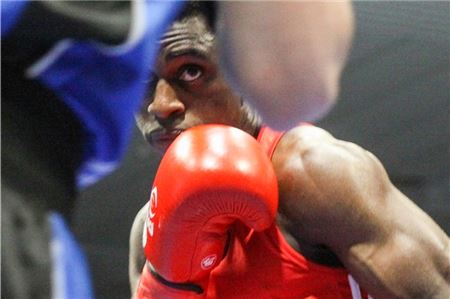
153,203
208,261
152,211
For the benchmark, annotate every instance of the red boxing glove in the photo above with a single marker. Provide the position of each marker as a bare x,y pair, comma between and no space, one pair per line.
210,177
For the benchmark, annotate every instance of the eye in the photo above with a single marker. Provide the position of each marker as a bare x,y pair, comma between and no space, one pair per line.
190,73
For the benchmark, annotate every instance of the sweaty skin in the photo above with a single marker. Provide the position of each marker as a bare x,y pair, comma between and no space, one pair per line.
337,204
335,194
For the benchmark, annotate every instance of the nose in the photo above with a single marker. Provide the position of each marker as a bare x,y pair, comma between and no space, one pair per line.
165,101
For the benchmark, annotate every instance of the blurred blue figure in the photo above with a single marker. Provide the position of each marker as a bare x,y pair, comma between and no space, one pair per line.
73,74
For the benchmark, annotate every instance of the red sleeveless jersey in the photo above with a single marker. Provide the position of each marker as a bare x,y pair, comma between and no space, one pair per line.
262,265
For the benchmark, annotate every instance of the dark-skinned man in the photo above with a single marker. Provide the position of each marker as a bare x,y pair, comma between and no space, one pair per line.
73,75
340,222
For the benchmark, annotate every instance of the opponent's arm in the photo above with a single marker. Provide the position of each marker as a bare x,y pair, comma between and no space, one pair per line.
136,258
294,51
391,247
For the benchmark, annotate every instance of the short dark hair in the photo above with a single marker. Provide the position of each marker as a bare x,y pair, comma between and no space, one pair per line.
207,9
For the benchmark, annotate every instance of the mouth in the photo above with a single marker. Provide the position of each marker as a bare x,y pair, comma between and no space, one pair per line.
162,138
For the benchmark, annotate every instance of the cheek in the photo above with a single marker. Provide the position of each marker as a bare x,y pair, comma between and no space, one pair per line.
141,125
144,122
225,111
139,121
218,105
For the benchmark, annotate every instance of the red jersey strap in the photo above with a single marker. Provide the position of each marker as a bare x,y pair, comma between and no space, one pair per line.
269,139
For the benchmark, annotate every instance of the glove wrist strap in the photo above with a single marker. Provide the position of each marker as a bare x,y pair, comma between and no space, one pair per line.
179,286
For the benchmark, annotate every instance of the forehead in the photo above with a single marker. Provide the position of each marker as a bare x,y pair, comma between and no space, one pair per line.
188,36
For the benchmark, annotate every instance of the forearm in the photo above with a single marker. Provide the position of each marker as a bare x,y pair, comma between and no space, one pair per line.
404,267
291,51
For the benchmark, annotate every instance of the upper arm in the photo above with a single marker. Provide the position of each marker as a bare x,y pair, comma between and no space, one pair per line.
340,196
136,259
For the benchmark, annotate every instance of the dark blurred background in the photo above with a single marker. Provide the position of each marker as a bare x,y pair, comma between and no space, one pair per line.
394,102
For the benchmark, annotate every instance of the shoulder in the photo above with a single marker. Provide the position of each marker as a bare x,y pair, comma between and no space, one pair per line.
321,177
313,150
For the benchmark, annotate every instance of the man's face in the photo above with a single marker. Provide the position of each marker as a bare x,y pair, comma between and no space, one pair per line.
187,88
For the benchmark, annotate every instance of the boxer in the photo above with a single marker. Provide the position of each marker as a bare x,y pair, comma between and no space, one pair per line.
342,229
72,80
